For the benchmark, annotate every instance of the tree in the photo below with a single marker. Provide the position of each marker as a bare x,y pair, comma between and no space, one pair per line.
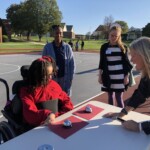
14,14
39,19
108,20
46,14
123,25
88,35
132,28
146,30
28,16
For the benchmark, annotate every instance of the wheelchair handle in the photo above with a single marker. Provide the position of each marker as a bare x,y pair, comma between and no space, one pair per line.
7,87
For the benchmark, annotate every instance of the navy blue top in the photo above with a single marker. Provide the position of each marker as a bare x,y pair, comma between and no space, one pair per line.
60,60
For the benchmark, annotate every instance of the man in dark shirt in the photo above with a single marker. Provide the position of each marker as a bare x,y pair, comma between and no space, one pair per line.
82,45
62,53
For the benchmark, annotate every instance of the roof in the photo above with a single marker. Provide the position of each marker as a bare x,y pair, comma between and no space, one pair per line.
100,28
69,28
63,25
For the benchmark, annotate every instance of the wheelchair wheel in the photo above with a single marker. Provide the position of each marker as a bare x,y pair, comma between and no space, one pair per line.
6,132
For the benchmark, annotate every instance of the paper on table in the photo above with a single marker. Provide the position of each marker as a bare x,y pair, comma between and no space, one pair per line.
59,129
82,113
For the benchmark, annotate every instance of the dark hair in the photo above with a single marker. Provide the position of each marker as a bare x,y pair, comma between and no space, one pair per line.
54,27
38,75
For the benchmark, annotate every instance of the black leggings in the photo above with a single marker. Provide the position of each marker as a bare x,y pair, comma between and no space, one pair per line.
119,98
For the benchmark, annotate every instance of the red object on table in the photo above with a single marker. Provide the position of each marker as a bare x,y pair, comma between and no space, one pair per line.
63,132
83,114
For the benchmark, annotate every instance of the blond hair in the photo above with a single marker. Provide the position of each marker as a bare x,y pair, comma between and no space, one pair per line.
142,47
119,42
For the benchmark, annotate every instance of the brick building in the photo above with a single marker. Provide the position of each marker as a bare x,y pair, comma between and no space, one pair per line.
68,31
6,27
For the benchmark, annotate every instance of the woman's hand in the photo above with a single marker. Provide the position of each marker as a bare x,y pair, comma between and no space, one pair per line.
131,125
100,79
50,119
113,115
126,80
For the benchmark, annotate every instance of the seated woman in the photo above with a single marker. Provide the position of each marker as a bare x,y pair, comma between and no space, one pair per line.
43,99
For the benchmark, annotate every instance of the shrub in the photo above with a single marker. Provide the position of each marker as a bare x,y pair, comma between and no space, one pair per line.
5,38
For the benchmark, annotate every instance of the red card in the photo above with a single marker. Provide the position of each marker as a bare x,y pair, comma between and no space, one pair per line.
82,113
63,132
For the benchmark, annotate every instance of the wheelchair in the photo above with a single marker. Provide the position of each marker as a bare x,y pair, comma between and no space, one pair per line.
12,111
14,125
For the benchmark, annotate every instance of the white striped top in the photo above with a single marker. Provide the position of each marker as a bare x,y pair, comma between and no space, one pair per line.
115,68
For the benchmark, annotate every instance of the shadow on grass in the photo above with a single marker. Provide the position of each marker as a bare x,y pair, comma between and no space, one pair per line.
24,40
17,40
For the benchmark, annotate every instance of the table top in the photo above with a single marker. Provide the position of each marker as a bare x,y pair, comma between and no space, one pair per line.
96,133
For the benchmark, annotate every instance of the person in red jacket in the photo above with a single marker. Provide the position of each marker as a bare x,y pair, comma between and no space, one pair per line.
43,99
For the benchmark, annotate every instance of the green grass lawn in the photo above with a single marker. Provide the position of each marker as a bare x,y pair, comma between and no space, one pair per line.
11,47
93,44
21,45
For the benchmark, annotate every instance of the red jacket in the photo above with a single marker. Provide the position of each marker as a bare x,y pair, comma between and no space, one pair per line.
31,114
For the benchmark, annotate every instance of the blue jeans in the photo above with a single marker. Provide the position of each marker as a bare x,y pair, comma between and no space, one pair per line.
64,87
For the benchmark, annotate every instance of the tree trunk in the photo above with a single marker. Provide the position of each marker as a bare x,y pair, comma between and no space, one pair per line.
28,36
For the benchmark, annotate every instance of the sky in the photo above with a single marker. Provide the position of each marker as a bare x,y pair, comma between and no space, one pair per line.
87,15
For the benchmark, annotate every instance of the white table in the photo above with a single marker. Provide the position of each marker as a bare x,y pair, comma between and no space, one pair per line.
100,134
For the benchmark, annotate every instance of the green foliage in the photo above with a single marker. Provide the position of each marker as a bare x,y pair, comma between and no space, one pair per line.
15,15
146,30
34,16
5,38
123,25
93,44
